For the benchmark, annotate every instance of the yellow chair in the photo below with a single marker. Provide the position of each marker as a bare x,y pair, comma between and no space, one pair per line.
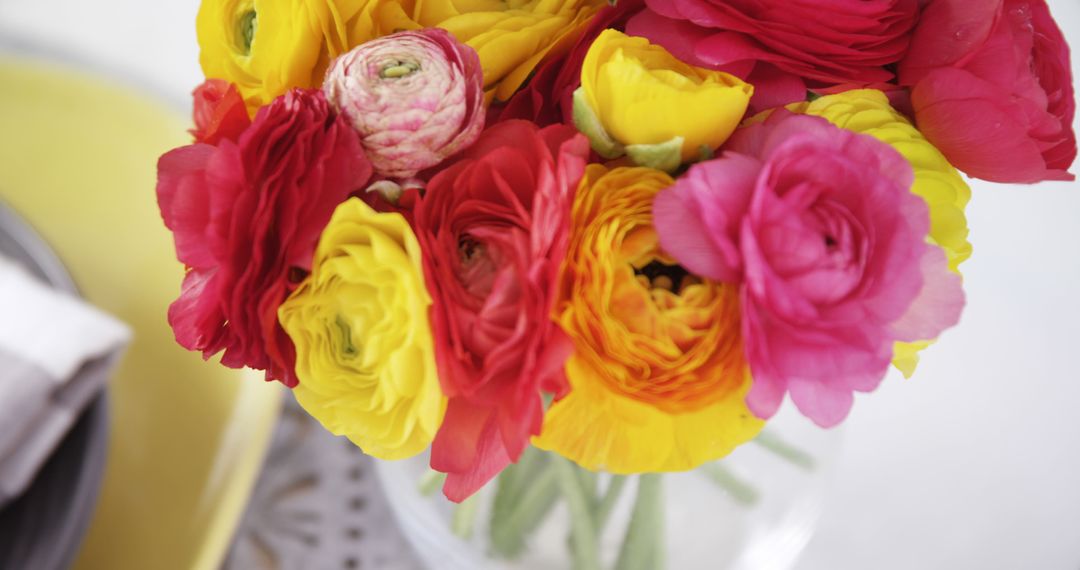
77,159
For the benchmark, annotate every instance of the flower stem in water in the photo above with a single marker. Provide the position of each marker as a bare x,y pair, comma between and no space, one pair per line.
607,502
785,450
583,535
430,482
464,518
739,490
511,526
643,547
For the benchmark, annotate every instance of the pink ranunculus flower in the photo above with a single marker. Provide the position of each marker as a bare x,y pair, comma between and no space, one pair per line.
820,227
784,47
993,88
415,97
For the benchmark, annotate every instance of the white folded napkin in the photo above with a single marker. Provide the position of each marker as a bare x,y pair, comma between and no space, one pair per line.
55,355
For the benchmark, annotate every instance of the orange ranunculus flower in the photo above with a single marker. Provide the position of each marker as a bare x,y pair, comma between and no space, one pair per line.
658,375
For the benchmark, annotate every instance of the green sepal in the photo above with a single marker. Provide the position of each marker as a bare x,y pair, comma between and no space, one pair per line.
586,121
666,156
705,152
389,189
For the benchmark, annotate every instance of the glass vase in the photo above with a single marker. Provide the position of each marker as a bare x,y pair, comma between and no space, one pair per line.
755,509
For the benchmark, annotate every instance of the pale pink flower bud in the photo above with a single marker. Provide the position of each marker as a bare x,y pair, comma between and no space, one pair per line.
415,97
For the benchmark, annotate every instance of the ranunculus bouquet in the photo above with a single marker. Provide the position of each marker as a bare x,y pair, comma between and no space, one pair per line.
620,233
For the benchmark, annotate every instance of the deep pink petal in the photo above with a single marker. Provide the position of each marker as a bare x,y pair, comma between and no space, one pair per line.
939,304
978,128
697,219
825,403
774,88
677,36
948,31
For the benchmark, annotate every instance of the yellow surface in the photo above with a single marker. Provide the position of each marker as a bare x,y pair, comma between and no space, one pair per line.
77,159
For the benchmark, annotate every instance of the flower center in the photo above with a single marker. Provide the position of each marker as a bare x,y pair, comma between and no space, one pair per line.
476,269
469,249
399,69
296,275
348,349
247,26
670,277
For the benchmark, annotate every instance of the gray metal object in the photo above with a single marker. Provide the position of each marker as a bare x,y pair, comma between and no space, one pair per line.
317,506
43,529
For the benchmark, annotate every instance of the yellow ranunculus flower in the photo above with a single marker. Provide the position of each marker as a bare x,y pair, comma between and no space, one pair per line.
643,95
658,376
511,36
364,350
868,111
267,47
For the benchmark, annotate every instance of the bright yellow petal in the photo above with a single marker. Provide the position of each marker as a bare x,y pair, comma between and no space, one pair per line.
645,96
603,430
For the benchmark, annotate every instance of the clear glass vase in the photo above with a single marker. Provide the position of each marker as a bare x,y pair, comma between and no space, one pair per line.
755,509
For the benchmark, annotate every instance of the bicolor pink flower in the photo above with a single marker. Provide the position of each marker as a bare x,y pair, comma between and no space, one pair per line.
415,97
820,228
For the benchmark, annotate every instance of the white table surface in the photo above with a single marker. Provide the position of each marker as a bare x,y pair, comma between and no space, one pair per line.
974,463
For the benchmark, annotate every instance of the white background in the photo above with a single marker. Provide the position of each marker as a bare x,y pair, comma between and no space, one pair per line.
974,463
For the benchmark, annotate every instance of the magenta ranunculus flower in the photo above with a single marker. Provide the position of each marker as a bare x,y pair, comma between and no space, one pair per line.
415,97
783,47
246,216
820,227
993,88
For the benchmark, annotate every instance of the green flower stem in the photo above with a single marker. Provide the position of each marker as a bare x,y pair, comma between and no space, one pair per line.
464,518
513,481
588,483
643,547
607,502
510,528
785,450
583,537
430,482
739,490
503,502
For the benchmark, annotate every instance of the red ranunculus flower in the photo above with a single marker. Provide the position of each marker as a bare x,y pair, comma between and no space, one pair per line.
219,112
247,214
548,97
783,47
493,229
993,88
